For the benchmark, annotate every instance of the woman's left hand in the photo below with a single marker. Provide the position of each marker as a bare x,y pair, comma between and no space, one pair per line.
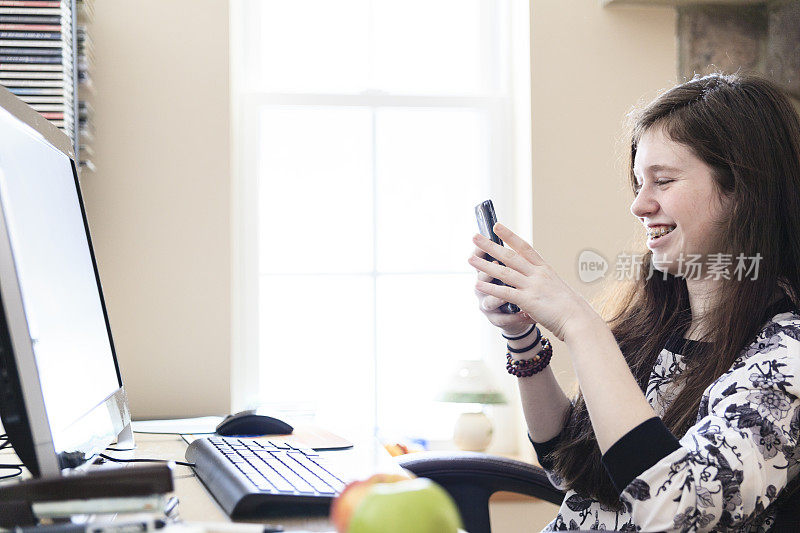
532,284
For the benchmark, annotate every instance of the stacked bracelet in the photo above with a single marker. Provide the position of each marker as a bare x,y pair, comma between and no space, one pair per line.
528,347
524,368
520,336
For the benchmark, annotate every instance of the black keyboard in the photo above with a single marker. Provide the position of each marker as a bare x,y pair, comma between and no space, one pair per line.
251,478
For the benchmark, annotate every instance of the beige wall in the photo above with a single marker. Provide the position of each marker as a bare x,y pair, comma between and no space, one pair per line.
159,203
590,65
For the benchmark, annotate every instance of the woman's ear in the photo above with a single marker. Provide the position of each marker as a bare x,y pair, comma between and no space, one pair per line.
726,201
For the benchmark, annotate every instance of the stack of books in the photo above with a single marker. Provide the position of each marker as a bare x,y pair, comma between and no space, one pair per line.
37,60
98,491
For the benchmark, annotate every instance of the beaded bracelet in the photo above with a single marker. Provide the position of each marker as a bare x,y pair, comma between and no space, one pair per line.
520,336
528,347
524,368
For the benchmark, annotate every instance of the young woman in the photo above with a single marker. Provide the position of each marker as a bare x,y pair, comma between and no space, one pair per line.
688,416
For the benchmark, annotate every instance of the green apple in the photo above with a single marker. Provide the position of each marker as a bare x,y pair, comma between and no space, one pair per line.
350,498
412,506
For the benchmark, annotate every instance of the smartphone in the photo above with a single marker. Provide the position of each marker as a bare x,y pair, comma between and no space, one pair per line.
487,218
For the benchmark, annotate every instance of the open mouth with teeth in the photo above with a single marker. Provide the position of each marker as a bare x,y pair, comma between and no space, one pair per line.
658,232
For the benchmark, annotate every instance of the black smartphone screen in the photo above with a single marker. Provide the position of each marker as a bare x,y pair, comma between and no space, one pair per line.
484,213
487,218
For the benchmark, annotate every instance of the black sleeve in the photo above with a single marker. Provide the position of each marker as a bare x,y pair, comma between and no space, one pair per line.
543,450
638,450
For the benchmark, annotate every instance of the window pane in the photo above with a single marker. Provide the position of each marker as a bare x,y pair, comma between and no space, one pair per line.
315,174
427,47
425,324
431,172
311,46
316,343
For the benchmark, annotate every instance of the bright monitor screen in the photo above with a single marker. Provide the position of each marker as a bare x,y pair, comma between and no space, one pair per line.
57,281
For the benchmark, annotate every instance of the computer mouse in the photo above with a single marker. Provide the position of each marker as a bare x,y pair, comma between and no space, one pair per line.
250,424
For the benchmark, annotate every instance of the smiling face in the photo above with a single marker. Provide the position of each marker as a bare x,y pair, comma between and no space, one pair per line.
676,190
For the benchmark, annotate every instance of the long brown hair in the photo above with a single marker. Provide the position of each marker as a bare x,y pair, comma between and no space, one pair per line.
748,133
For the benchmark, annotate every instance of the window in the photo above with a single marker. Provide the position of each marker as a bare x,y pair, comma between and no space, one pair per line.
365,131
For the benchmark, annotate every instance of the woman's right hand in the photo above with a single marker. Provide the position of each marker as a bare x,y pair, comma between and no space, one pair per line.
511,323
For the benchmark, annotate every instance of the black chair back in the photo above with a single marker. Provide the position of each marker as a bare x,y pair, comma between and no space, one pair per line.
472,478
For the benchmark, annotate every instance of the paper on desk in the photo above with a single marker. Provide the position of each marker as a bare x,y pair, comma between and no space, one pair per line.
198,425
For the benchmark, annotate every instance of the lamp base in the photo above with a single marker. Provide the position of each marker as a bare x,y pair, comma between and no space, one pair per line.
473,432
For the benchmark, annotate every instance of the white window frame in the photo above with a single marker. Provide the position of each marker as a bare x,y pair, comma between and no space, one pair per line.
509,167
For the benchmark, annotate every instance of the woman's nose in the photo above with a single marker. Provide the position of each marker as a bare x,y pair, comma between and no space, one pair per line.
644,204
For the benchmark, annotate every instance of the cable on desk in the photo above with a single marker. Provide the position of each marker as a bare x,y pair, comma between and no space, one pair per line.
15,474
116,460
7,444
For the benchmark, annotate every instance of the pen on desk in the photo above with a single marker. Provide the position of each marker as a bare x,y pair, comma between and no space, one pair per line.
171,508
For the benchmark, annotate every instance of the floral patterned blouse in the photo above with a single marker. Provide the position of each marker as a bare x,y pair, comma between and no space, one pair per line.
728,468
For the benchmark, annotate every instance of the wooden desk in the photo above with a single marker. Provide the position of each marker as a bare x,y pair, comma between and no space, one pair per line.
198,505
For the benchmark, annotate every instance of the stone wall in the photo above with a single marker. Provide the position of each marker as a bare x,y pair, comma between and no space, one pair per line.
752,36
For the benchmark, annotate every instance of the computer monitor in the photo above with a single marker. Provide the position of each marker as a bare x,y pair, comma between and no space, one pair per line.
61,395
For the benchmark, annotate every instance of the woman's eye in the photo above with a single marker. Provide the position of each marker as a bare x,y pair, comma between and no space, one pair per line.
637,188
